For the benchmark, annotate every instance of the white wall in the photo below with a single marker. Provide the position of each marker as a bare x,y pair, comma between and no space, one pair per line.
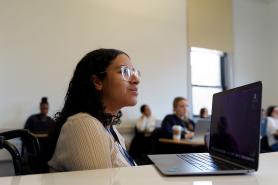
42,41
253,52
274,49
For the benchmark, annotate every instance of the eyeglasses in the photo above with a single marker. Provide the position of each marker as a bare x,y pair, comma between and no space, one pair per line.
127,73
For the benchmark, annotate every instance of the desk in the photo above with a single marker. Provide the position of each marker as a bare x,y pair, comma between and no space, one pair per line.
192,142
40,135
36,135
167,146
143,175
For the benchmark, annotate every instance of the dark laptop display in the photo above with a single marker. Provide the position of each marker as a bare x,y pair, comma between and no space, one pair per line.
235,130
234,137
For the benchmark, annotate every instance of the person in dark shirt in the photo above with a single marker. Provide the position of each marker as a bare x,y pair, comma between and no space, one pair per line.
40,123
180,118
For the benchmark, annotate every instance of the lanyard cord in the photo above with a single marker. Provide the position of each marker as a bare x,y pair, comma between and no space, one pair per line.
122,149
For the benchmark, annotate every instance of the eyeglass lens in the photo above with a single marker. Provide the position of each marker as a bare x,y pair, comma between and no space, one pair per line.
128,72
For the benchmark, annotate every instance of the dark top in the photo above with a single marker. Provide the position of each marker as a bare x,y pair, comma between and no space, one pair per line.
172,119
39,124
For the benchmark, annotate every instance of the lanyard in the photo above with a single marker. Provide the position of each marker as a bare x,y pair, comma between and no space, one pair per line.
122,149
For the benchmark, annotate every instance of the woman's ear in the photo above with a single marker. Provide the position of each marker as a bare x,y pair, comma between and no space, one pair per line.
97,82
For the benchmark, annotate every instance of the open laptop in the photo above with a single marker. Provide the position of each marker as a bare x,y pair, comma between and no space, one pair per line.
234,137
202,126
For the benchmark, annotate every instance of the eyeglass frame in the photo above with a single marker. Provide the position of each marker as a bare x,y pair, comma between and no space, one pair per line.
133,71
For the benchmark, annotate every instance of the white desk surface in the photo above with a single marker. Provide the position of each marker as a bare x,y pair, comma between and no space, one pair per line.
143,175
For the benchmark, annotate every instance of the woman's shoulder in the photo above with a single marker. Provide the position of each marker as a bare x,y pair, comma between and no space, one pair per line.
34,117
83,119
191,121
271,120
170,116
83,116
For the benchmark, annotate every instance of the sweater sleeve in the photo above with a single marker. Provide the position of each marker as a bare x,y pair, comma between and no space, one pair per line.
83,144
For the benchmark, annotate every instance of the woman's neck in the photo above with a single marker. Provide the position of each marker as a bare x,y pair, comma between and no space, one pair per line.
111,111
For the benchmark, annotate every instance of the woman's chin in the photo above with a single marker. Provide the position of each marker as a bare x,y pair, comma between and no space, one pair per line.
132,103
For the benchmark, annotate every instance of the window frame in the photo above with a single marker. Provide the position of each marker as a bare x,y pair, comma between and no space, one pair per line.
223,75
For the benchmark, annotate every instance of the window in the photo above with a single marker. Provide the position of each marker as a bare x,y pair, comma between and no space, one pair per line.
207,77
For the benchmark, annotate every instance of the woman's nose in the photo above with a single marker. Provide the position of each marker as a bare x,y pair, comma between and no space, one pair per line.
135,79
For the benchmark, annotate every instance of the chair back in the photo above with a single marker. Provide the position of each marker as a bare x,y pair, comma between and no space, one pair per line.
22,163
14,153
263,127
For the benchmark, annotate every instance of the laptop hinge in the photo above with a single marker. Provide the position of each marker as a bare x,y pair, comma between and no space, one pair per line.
227,161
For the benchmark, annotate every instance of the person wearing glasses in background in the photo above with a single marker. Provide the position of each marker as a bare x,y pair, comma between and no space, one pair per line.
179,118
85,136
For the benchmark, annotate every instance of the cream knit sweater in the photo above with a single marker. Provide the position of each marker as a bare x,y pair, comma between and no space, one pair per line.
85,144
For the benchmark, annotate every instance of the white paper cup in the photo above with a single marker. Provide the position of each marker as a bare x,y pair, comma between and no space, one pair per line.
177,132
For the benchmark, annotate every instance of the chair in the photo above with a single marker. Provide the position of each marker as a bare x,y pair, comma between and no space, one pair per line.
207,140
263,127
14,153
136,146
264,145
26,162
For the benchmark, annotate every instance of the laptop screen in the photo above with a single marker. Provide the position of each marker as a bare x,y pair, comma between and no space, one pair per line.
235,124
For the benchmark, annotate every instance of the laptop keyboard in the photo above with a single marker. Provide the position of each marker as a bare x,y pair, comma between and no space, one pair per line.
205,162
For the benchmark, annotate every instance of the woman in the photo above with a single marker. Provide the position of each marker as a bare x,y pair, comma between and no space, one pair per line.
104,81
180,107
272,127
40,123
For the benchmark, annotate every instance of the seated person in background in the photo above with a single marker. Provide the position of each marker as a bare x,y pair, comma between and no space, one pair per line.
146,123
179,117
263,122
263,114
40,123
204,113
272,127
85,136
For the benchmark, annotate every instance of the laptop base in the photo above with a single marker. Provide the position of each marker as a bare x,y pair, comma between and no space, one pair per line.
174,165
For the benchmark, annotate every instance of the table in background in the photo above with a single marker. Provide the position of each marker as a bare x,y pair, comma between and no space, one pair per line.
195,145
192,142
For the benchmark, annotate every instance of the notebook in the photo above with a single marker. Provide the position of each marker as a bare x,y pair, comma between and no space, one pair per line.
234,137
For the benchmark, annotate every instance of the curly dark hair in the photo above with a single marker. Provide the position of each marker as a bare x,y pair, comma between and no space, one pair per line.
82,95
270,110
44,101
